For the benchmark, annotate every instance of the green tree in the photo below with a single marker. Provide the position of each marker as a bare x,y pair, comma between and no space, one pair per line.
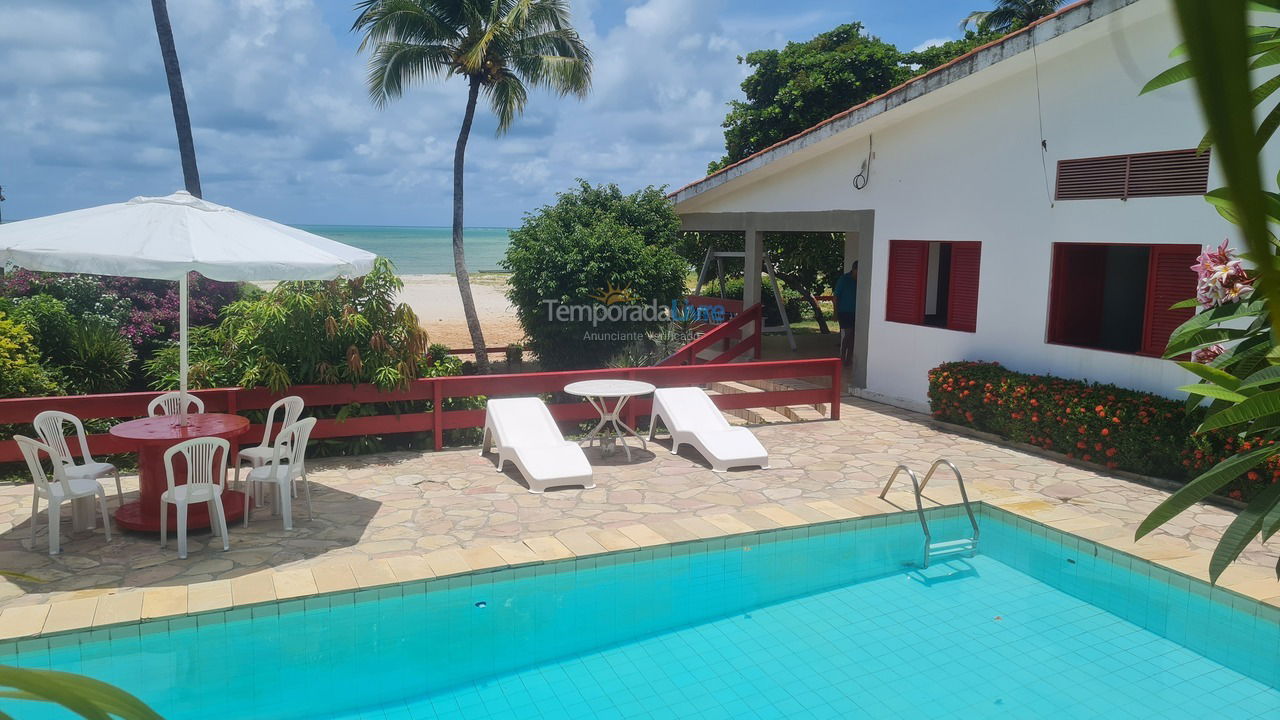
573,252
1236,337
935,55
805,83
1009,15
177,97
500,47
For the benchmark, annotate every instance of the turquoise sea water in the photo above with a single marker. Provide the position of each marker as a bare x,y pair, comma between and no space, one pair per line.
421,250
818,622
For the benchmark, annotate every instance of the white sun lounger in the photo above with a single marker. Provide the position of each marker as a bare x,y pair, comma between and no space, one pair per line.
522,430
693,419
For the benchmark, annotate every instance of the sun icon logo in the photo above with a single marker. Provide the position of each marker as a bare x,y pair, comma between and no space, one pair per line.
612,295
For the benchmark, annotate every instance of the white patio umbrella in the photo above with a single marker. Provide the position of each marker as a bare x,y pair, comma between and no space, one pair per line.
164,238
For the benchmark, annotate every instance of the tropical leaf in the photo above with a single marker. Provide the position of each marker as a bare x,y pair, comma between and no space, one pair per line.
1265,376
1271,523
1261,405
1213,391
1218,315
1201,338
1184,304
90,699
1203,486
1243,529
1217,376
1176,74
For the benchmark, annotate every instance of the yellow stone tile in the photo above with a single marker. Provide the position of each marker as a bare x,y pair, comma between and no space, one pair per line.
729,524
125,607
23,620
837,512
294,583
755,520
208,596
1085,522
482,557
333,577
253,588
580,542
670,531
783,517
700,528
70,615
164,602
612,540
548,548
1196,566
516,553
643,535
862,507
411,568
805,513
372,573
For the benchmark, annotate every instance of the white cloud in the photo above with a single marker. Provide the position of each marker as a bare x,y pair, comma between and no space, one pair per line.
931,42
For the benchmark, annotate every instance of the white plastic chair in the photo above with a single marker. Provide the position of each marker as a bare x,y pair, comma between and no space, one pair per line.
171,404
62,489
206,460
693,419
288,463
522,430
258,456
50,426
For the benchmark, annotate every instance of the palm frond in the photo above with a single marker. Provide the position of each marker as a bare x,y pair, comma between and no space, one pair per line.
395,66
507,98
409,21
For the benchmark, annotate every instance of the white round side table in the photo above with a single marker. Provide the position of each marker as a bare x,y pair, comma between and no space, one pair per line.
598,393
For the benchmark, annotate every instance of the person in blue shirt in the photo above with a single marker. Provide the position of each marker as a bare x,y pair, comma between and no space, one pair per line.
846,293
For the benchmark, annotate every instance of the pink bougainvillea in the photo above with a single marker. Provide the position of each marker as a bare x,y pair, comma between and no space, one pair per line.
1221,277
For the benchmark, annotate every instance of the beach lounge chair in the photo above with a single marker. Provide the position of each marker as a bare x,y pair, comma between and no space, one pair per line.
693,419
522,431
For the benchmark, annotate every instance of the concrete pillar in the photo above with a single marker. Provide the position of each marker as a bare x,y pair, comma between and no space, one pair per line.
862,241
753,246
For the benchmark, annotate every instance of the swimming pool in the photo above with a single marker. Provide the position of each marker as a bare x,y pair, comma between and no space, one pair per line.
812,622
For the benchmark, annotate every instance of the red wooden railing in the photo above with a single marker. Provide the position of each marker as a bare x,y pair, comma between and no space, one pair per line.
21,411
730,334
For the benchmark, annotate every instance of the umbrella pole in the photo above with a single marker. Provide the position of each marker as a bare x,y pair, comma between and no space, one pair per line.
182,350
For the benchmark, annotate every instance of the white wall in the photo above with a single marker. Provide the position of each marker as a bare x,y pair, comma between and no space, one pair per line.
964,163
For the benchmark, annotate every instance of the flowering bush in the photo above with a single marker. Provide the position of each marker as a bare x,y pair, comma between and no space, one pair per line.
1103,424
1221,277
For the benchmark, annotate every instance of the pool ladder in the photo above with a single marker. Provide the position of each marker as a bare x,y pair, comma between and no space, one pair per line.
964,546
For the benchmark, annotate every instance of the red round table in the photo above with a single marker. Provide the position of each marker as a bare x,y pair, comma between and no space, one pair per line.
153,436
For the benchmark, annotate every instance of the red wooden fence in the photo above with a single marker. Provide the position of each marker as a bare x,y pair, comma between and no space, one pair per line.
21,411
729,333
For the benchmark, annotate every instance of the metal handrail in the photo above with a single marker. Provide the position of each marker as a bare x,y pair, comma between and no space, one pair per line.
915,485
964,495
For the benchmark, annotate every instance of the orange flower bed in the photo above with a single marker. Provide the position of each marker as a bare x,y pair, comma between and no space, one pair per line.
1109,426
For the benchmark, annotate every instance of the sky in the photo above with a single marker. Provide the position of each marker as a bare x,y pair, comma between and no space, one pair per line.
284,127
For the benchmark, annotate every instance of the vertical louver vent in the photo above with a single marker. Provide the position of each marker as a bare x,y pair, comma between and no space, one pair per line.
1176,172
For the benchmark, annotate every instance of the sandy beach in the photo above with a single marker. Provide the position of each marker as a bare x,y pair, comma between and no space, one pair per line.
435,299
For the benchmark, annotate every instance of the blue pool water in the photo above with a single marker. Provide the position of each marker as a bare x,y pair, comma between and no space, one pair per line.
807,623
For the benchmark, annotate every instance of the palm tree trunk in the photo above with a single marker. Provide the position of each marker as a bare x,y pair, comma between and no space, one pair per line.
177,97
459,256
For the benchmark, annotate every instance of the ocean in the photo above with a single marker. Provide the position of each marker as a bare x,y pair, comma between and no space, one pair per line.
421,250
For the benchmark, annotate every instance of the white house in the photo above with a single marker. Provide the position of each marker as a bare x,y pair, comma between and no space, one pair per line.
1023,204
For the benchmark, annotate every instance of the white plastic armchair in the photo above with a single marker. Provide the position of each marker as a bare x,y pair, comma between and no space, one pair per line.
51,428
171,404
206,462
288,462
291,408
693,419
55,493
522,431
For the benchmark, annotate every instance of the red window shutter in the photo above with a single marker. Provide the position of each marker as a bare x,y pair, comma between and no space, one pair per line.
908,273
1076,292
1170,280
962,295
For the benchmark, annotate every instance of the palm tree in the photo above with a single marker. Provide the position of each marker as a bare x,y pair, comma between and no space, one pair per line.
177,97
1009,15
500,47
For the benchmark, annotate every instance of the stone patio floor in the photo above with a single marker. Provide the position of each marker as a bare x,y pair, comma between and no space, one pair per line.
400,507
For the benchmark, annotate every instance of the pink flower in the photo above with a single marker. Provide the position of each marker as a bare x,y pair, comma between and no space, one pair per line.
1206,355
1221,277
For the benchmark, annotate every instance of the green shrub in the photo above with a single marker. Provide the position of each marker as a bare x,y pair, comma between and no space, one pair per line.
575,251
791,300
1103,424
49,322
98,359
515,354
21,372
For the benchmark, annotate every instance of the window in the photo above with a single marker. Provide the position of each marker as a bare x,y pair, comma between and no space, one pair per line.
1117,297
934,283
1176,172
